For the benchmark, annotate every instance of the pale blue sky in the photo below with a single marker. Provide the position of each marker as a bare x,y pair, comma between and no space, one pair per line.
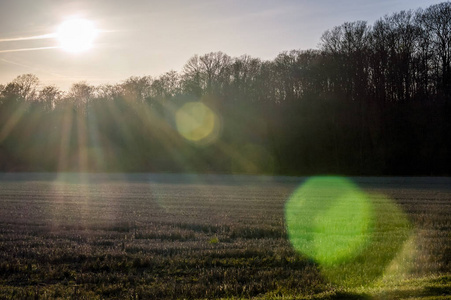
148,37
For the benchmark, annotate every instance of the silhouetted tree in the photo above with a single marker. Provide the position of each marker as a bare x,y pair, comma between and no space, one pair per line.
137,89
208,73
436,23
368,101
49,96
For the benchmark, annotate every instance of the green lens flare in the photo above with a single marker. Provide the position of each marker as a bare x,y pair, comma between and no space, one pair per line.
352,236
328,219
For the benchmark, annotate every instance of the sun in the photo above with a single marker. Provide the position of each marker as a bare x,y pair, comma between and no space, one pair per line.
76,35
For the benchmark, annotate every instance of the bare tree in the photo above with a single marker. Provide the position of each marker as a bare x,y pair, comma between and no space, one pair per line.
23,87
347,45
49,95
136,89
208,73
108,92
436,21
80,94
166,86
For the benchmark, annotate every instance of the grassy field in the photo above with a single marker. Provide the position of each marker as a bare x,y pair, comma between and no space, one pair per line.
201,237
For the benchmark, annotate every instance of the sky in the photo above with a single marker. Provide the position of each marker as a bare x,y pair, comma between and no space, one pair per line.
147,37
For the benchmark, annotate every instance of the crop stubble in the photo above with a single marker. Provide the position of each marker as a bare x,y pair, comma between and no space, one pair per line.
171,237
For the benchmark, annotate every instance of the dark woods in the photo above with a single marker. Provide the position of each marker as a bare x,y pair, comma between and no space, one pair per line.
373,100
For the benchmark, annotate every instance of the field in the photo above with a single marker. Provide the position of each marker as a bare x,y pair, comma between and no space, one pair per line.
147,236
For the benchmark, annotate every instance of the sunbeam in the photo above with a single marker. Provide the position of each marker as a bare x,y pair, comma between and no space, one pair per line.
11,123
63,159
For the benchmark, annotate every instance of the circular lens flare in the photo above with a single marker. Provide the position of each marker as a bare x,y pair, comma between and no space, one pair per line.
355,237
196,122
329,219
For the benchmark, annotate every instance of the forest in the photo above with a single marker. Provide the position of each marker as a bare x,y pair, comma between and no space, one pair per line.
371,100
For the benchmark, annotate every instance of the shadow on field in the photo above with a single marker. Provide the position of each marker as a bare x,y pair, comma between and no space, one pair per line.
426,288
350,296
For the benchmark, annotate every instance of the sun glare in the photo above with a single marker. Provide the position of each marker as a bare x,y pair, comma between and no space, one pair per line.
76,35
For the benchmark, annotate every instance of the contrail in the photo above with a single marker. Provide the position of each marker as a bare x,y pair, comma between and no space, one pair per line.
36,37
28,49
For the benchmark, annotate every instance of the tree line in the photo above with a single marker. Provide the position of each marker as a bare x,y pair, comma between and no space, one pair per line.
371,100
